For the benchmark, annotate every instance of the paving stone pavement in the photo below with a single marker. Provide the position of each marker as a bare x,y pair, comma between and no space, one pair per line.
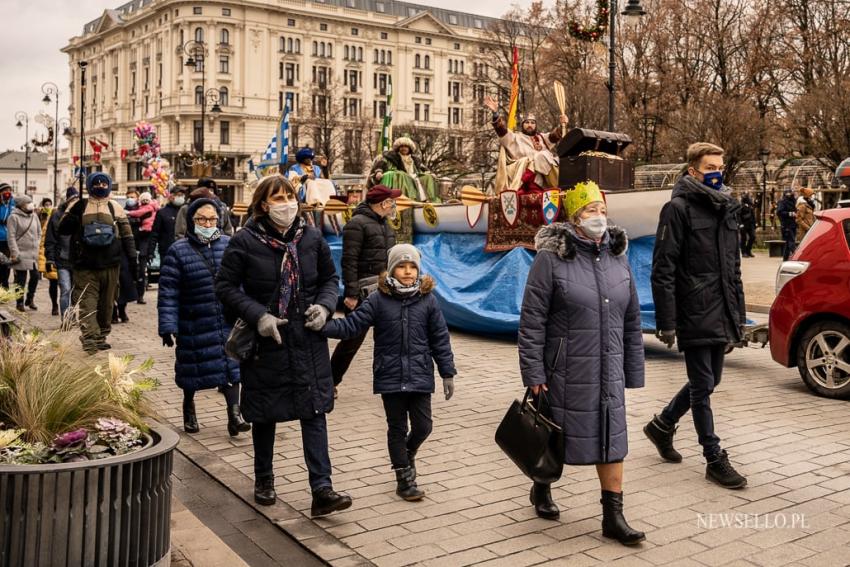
793,447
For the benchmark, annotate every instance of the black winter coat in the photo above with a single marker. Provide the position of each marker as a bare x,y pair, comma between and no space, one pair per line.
784,209
580,333
366,238
410,334
291,380
162,232
57,247
696,267
188,308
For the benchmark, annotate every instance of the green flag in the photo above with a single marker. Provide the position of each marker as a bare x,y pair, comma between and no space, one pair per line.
387,128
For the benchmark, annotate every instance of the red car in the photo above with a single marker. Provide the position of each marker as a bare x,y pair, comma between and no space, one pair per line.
810,317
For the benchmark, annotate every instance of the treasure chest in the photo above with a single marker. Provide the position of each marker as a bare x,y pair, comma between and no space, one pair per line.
594,155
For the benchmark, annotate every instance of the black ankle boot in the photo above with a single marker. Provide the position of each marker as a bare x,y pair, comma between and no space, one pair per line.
31,304
720,471
411,462
327,500
661,436
407,488
614,524
190,420
264,493
235,423
541,499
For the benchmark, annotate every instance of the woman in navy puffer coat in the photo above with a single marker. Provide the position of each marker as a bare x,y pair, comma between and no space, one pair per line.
189,310
580,341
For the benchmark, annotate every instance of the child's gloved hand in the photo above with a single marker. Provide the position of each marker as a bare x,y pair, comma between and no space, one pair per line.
316,316
449,387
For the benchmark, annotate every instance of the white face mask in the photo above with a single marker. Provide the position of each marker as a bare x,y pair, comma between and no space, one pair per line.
29,207
283,214
594,227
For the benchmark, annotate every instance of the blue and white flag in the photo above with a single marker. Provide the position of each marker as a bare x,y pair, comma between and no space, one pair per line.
277,152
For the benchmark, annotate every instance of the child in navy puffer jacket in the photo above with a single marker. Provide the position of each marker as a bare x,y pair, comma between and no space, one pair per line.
410,334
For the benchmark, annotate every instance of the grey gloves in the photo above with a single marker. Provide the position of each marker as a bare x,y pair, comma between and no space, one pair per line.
449,387
667,337
268,325
316,316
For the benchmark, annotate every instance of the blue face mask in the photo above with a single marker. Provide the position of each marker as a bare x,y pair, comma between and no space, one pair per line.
100,192
207,233
131,202
713,179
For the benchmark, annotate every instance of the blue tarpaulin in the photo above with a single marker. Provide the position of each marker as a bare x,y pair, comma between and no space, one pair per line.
482,292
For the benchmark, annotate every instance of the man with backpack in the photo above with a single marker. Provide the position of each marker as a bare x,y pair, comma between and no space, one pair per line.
100,233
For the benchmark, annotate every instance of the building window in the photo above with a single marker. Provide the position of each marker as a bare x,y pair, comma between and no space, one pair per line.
389,57
297,46
350,3
417,61
323,27
416,112
290,74
223,96
197,10
417,39
384,35
224,64
427,85
426,111
179,68
355,31
290,22
478,23
199,34
457,46
224,130
379,7
427,41
224,12
427,61
197,132
199,95
453,19
411,12
416,84
225,37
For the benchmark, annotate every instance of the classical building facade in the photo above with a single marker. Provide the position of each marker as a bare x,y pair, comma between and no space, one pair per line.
335,60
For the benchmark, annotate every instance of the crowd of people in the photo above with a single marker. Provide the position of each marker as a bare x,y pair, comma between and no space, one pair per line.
274,282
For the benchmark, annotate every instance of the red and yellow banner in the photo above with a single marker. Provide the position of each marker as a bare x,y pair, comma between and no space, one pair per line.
512,108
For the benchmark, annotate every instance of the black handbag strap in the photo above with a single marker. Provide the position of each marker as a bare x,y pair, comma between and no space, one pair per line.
536,410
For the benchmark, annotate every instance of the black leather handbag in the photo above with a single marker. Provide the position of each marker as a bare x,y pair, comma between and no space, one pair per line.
532,441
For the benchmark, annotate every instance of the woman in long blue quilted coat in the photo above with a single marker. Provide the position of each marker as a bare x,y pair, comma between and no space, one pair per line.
580,343
190,312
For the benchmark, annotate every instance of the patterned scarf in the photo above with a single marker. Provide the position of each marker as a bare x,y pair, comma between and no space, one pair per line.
400,290
290,269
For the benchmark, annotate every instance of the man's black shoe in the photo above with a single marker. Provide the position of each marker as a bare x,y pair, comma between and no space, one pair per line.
720,471
104,346
264,493
326,500
661,436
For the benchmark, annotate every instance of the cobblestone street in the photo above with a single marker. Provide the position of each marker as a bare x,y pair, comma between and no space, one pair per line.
793,447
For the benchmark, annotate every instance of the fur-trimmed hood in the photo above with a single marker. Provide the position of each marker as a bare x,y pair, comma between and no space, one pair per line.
426,286
561,238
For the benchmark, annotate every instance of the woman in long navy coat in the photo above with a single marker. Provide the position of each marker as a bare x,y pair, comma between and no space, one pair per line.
190,312
580,342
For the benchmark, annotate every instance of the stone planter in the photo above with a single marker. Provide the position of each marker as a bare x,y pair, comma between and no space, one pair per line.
110,512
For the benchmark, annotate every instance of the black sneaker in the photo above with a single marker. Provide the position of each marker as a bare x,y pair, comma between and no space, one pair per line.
326,500
720,471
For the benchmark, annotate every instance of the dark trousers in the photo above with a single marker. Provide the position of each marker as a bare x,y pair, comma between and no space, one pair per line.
231,395
314,439
400,408
5,269
144,245
705,367
789,235
344,353
748,238
31,286
95,292
53,292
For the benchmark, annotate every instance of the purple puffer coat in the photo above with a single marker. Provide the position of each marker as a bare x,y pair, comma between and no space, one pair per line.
580,334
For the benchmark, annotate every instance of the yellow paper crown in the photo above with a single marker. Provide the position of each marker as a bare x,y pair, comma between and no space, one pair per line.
582,195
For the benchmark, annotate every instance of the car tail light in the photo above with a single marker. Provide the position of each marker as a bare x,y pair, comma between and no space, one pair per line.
788,271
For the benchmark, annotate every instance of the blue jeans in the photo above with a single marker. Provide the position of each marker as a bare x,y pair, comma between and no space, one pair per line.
705,367
65,285
314,439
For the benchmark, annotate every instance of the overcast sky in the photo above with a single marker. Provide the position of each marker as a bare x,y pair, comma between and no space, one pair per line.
35,30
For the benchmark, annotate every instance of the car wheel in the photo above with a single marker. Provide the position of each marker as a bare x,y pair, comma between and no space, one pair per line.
823,359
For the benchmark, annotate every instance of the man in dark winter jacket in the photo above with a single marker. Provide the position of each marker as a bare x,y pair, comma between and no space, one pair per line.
100,233
162,233
699,301
366,239
57,250
747,225
786,210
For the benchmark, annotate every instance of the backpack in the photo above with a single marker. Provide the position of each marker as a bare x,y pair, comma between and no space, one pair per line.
97,234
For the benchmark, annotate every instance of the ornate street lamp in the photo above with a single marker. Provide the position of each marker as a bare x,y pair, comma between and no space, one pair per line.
49,89
24,122
764,156
82,65
197,53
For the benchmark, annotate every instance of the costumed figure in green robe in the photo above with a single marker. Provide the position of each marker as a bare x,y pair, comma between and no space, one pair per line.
400,169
